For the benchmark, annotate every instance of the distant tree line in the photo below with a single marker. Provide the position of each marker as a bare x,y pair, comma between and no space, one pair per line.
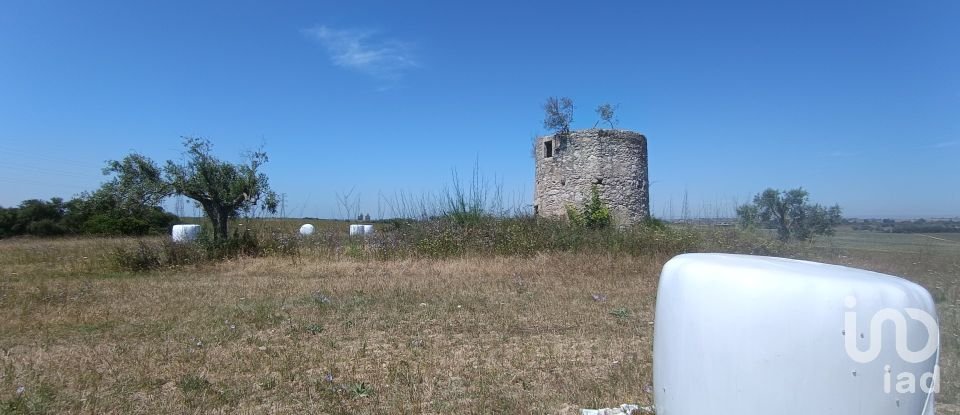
94,213
909,226
130,203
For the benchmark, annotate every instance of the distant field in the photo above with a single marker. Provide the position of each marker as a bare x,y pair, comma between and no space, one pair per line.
910,243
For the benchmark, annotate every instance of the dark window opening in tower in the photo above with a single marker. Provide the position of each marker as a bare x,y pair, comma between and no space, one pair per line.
548,148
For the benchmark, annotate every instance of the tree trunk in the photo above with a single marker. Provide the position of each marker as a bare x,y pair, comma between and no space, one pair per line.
221,227
218,219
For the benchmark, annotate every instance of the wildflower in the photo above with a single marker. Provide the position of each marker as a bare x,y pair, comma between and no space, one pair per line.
21,389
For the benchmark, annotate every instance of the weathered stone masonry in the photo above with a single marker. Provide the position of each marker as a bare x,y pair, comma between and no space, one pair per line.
613,160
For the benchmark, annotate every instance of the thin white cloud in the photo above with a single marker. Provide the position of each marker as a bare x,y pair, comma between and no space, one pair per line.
365,51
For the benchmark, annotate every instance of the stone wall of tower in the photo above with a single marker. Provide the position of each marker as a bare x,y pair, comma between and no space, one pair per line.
567,166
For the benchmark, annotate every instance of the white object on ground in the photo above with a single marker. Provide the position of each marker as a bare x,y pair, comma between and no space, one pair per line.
361,229
778,336
185,233
624,409
306,229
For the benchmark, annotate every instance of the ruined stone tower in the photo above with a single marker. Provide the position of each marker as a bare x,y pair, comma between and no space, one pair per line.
613,160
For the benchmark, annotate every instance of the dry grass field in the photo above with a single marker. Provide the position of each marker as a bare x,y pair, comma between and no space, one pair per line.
548,333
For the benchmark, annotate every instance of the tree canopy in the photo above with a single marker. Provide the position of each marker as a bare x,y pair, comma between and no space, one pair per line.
790,214
558,114
222,189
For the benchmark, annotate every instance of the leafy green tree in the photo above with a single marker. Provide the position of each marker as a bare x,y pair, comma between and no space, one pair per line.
790,214
40,218
8,219
558,114
99,212
104,212
222,189
137,183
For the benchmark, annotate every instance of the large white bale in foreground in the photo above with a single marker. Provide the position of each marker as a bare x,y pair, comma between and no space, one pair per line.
185,233
306,230
751,335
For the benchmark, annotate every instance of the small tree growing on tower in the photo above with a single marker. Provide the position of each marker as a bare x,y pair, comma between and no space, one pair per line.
607,114
558,114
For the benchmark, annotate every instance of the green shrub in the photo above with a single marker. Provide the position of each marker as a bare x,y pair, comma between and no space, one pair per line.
239,244
595,214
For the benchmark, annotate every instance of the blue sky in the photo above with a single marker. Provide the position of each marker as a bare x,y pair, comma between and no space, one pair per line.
858,102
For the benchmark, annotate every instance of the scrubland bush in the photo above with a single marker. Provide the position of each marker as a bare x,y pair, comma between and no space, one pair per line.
167,254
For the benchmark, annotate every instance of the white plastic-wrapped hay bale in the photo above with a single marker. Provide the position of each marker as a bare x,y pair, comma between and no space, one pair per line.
759,335
306,230
361,229
185,233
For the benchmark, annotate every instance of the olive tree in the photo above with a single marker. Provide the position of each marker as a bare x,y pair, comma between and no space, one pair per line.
558,114
606,112
790,214
222,189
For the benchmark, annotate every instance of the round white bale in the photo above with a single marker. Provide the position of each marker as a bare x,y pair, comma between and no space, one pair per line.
185,233
367,229
306,229
759,335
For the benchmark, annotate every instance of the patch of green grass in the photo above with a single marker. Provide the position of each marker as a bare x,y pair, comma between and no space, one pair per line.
620,313
361,390
29,400
193,384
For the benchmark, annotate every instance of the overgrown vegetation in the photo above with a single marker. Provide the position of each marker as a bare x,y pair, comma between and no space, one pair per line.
151,255
595,214
451,237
